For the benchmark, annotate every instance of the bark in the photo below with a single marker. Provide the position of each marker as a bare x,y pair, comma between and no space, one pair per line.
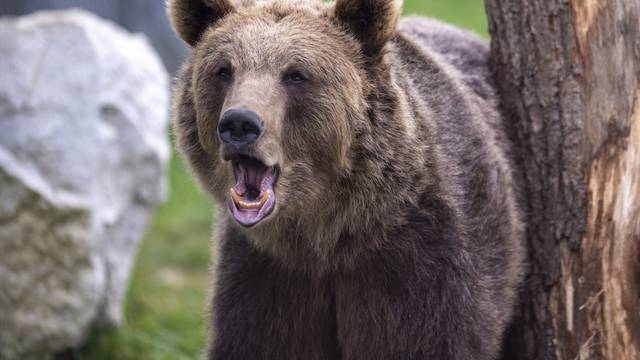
569,76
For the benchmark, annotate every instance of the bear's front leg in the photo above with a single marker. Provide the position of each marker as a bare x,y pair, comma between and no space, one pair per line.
412,307
263,311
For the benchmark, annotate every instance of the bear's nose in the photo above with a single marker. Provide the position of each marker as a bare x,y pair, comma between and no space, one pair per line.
239,127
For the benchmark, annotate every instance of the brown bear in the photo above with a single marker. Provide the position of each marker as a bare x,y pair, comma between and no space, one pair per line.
370,201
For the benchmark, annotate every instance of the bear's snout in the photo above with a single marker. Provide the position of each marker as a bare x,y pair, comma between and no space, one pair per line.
239,128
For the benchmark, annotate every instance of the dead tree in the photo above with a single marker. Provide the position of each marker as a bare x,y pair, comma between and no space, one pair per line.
569,76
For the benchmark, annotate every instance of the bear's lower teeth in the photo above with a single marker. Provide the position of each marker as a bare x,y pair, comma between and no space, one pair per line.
249,205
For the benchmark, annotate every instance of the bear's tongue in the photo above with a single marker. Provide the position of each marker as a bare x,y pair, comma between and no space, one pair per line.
252,198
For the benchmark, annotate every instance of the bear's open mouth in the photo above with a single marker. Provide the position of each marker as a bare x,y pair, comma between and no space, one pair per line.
252,198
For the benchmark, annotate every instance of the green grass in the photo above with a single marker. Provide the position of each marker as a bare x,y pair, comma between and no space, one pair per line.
166,304
465,13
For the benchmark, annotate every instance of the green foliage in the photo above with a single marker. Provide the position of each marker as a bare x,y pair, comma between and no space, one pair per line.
166,305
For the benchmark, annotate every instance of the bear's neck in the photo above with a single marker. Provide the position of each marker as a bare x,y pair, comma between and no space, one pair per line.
391,169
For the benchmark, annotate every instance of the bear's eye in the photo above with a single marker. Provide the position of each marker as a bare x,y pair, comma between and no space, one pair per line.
294,77
224,73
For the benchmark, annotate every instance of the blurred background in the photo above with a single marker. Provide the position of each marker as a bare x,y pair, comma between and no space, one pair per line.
166,303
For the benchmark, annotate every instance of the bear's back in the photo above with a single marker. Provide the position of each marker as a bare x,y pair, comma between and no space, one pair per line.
445,73
466,52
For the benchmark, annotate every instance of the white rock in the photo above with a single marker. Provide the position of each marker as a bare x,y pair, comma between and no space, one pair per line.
83,154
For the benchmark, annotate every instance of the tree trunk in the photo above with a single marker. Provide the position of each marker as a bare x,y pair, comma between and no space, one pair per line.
569,76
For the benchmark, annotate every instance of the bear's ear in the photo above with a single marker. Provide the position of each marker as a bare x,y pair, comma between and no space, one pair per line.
190,18
373,22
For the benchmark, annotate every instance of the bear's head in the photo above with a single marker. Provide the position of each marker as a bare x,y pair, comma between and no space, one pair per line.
275,98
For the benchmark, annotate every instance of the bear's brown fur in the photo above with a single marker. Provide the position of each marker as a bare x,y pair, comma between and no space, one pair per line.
394,232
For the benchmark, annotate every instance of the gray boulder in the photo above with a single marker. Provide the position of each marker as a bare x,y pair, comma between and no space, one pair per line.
83,154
